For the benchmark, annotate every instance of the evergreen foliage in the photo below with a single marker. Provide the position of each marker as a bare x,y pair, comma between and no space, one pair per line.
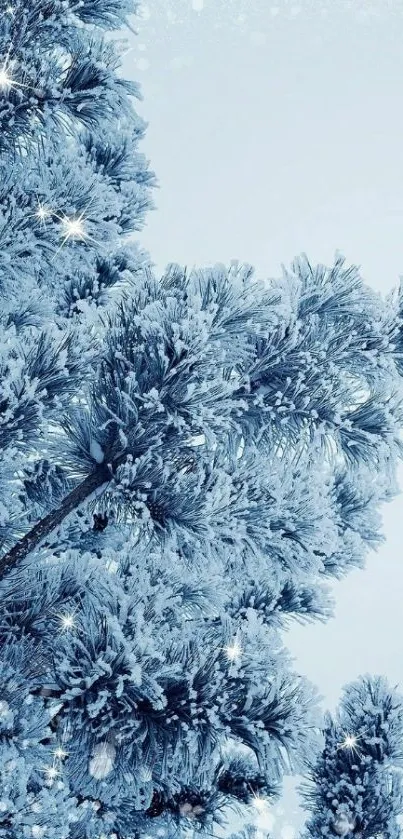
185,462
355,787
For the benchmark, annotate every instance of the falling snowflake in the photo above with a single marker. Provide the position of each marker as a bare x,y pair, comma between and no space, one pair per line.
243,17
102,760
143,63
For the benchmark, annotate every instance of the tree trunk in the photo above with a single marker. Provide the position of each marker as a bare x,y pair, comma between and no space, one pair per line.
45,526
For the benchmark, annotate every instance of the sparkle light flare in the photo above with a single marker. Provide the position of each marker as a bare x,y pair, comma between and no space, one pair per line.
43,213
233,650
51,772
349,742
259,803
74,228
67,621
5,80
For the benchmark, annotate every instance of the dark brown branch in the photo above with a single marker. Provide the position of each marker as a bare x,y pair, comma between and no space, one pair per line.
44,527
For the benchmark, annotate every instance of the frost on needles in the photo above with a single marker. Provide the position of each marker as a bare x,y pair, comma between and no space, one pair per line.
185,462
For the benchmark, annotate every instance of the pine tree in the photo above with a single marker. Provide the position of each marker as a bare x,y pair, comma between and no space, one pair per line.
355,788
185,461
71,193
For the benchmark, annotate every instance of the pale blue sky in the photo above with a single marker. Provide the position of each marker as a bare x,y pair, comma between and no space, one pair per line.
276,128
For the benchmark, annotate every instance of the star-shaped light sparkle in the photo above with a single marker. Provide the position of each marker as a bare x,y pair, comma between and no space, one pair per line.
260,803
5,79
233,650
73,228
42,213
67,621
350,742
51,772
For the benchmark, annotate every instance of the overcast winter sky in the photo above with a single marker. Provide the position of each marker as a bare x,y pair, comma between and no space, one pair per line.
275,128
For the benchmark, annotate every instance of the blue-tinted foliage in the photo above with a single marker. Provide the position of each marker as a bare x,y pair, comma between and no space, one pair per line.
184,460
355,787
